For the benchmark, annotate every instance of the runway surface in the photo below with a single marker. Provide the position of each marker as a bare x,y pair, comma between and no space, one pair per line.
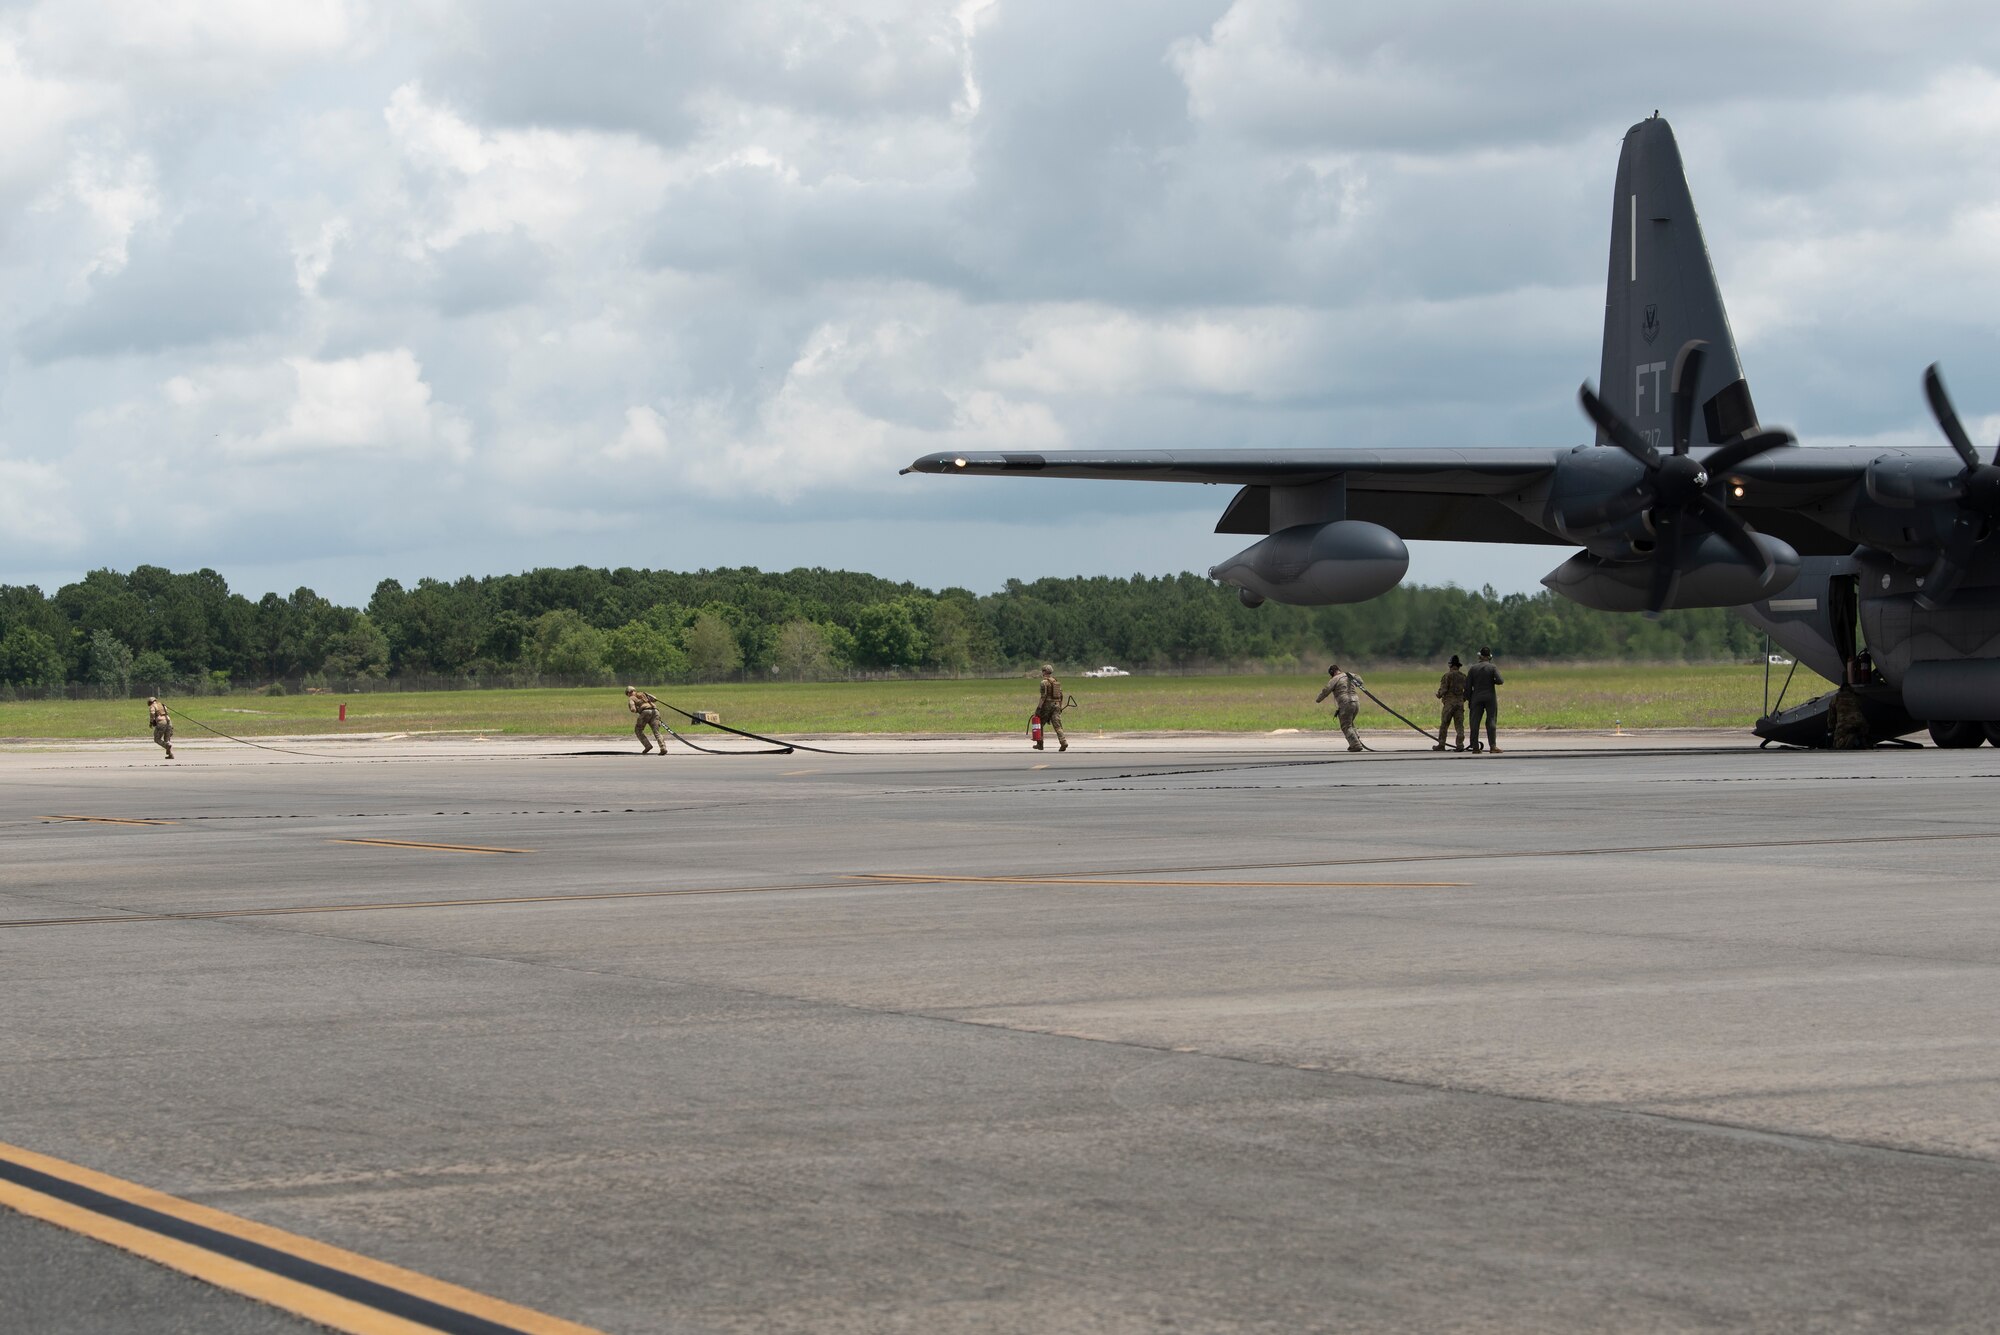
1214,1035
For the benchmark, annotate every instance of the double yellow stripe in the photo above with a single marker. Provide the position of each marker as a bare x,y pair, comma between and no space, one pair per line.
250,1280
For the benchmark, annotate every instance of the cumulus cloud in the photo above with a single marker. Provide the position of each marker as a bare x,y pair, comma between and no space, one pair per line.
211,274
202,48
38,111
376,404
37,514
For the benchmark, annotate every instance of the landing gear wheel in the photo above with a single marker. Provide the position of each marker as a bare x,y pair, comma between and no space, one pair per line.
1957,735
1993,733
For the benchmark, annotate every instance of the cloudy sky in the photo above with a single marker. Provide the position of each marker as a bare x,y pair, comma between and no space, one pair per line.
332,290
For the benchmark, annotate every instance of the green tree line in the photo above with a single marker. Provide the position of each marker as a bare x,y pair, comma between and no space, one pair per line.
155,629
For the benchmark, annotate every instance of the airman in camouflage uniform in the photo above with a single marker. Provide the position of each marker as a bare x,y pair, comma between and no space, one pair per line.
648,709
1850,729
1344,687
1049,709
1451,692
163,724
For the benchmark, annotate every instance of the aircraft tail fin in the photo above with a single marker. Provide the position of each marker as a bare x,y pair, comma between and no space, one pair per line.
1660,292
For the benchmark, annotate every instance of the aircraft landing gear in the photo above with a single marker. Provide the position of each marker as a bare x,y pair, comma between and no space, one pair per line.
1958,734
1993,733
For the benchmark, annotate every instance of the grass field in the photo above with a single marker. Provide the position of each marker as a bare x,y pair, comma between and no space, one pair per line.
1672,696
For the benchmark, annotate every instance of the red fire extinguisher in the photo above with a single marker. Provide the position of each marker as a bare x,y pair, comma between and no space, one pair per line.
1035,729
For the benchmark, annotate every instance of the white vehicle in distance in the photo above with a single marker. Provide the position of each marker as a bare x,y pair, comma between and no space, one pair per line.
1107,671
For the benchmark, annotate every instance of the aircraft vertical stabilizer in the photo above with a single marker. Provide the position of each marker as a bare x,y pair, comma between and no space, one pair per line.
1660,292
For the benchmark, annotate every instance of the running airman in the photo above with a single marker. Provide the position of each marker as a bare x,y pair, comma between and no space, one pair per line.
163,724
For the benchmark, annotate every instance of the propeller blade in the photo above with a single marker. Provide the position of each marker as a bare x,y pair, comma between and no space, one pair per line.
1903,483
1941,581
1687,372
1666,561
1737,534
1947,416
1606,512
1623,436
1732,455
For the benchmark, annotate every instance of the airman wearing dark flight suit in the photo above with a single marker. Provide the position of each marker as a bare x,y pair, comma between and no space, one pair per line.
1485,701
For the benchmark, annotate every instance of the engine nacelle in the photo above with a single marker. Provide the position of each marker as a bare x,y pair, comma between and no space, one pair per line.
1346,561
1712,575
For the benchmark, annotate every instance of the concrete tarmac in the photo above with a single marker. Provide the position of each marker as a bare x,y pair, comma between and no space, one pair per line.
1218,1034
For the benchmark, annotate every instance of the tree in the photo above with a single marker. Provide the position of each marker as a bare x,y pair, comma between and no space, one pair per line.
712,650
802,651
639,651
30,658
888,635
951,632
152,670
362,650
505,639
565,645
110,662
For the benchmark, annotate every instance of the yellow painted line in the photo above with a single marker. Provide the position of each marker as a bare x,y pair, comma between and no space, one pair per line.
794,773
902,878
155,1240
1043,765
441,848
112,820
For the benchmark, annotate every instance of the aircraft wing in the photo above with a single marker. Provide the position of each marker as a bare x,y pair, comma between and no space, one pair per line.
1450,495
1445,494
1472,471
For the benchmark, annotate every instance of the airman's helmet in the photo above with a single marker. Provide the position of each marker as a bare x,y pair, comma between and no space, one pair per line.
631,690
1048,670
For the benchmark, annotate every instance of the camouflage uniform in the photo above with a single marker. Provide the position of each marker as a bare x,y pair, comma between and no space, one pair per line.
1850,729
163,725
1451,692
1049,709
648,710
1484,700
1344,688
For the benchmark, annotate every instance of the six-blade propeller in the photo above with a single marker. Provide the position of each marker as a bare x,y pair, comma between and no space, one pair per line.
1677,487
1976,489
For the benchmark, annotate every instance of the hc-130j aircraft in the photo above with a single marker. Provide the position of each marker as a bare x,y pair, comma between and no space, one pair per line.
1684,500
